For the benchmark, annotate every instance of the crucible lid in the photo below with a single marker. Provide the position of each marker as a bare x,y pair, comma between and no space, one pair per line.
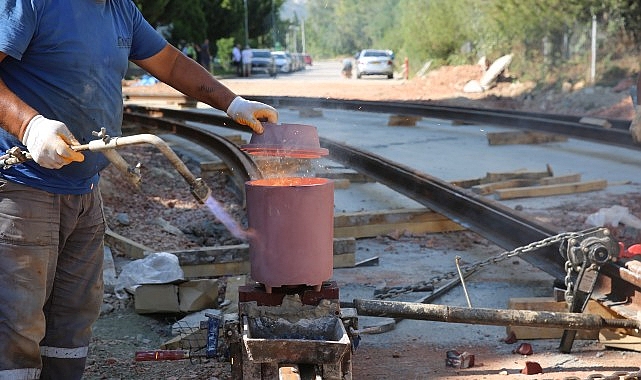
286,140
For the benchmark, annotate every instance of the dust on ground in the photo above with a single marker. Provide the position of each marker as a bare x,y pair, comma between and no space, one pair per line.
146,216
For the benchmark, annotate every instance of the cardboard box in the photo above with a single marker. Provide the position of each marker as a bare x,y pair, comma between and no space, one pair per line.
184,297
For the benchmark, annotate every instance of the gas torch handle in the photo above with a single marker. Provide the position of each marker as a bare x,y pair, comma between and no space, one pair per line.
158,355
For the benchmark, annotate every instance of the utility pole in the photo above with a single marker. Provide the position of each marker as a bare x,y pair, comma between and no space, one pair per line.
302,24
246,24
593,63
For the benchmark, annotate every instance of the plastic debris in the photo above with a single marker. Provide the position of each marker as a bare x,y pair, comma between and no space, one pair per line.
455,359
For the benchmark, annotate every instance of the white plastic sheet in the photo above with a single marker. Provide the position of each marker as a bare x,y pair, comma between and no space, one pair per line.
156,268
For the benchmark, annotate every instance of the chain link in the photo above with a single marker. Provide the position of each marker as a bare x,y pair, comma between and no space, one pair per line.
620,375
532,247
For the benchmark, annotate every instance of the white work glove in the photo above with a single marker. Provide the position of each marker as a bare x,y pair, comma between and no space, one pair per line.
48,142
248,112
635,126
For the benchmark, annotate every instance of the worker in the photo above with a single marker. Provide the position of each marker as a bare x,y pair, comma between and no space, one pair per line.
61,67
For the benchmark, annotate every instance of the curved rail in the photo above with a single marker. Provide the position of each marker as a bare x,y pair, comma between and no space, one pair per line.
504,226
241,165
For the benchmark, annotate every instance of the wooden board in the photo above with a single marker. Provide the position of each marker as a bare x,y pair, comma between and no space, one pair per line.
371,224
549,304
489,188
596,121
547,190
493,177
207,262
523,137
125,245
403,120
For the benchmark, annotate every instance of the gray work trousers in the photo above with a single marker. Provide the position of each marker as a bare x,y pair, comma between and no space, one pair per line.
51,254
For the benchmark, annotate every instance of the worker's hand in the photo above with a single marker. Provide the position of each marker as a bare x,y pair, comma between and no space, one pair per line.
248,112
48,142
635,126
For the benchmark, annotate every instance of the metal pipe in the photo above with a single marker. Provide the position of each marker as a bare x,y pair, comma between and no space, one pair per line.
496,317
198,188
131,172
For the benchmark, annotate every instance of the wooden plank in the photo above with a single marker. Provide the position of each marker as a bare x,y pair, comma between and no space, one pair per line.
489,188
403,120
207,262
310,112
603,123
569,178
370,224
621,339
125,246
523,137
492,177
549,304
215,270
548,190
519,174
345,260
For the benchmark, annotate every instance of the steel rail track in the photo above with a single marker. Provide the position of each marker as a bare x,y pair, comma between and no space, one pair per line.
559,124
503,226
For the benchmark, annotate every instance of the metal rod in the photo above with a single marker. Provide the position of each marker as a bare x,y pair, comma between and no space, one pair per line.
458,268
198,188
482,316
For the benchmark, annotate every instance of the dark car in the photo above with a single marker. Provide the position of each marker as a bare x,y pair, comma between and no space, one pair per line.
263,62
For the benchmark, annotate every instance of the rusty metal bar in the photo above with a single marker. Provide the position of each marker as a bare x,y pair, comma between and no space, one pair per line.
484,316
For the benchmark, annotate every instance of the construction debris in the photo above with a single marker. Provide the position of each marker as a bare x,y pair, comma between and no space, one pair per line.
523,137
532,368
522,184
458,360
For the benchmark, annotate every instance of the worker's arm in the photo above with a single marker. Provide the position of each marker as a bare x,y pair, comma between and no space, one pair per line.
187,76
47,140
14,113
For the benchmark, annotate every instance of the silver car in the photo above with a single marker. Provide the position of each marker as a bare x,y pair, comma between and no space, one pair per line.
375,62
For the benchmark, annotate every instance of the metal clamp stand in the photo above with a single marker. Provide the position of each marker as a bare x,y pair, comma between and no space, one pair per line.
584,254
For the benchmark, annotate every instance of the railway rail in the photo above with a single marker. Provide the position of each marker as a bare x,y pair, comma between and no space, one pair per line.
503,226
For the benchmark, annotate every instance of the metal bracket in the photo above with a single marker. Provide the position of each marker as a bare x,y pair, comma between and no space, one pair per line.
585,254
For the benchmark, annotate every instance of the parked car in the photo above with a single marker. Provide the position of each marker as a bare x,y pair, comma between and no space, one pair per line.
308,59
263,62
374,62
282,61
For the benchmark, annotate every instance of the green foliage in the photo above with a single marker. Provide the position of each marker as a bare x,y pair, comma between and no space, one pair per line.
543,35
224,47
195,20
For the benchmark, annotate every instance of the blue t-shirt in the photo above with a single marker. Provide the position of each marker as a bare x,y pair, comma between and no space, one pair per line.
67,59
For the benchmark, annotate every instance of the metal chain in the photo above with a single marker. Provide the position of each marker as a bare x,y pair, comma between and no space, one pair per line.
620,375
532,247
